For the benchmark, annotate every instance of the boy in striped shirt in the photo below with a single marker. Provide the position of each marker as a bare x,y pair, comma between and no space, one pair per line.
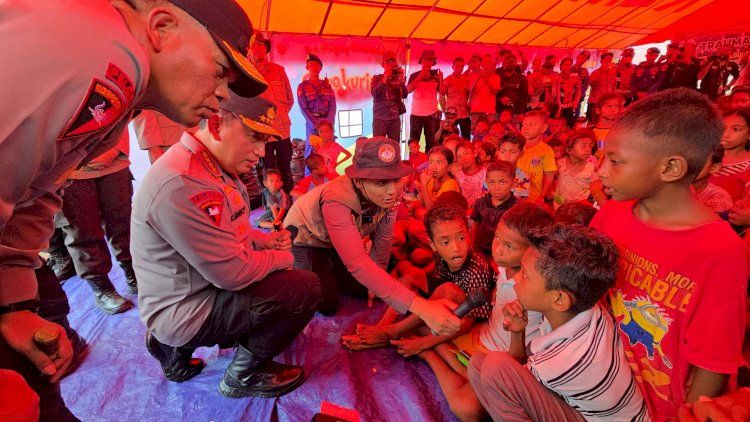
576,369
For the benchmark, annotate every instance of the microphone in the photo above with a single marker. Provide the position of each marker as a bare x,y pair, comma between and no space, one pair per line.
475,299
293,231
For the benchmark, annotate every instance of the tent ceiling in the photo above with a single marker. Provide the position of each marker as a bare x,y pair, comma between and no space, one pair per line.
548,23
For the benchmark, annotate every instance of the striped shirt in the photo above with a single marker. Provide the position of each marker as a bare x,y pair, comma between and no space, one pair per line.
730,169
584,362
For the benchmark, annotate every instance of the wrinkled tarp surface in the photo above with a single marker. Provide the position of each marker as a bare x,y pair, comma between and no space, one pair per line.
119,381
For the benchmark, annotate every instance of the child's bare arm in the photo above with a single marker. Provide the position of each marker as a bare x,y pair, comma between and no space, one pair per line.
705,383
549,177
597,192
515,321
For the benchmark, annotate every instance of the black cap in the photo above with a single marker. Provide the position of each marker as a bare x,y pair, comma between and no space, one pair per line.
256,113
313,58
229,25
259,37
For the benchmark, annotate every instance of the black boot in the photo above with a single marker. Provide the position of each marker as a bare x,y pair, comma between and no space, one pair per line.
62,264
176,362
127,268
106,297
248,376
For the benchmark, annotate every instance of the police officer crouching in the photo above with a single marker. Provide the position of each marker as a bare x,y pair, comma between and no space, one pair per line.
204,276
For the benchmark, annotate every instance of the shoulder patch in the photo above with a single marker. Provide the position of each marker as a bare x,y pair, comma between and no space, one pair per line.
101,107
211,203
122,80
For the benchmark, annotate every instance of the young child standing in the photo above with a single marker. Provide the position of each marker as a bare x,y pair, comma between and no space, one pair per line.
508,247
328,147
577,171
538,159
319,175
488,209
713,197
680,295
576,369
275,201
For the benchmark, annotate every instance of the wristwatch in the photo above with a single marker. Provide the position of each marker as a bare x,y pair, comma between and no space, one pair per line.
26,305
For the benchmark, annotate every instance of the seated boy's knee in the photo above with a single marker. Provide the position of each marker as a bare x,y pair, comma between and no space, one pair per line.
305,290
449,291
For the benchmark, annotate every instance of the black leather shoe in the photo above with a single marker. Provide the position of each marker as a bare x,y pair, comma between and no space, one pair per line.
106,297
62,264
246,377
130,280
176,362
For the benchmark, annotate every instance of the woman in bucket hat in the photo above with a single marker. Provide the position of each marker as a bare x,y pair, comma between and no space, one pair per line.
334,220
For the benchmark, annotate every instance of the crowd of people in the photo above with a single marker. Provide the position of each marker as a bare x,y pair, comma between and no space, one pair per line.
610,247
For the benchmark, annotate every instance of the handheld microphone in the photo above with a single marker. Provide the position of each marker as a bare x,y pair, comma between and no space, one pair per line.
475,299
293,231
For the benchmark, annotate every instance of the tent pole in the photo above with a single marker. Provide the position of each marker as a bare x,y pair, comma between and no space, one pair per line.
268,22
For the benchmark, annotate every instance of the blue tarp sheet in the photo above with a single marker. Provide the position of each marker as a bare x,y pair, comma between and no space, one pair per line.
119,381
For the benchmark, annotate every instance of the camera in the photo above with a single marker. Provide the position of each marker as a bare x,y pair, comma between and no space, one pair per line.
723,57
396,71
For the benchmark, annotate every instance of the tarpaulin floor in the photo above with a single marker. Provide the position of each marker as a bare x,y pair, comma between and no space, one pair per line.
119,381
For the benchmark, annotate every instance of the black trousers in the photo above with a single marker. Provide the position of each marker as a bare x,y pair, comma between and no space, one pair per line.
53,307
265,316
430,124
279,156
93,208
334,276
464,124
388,128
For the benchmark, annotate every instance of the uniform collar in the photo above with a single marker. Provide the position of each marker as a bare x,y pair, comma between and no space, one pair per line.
202,154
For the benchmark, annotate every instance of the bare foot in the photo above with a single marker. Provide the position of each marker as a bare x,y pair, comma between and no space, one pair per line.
367,337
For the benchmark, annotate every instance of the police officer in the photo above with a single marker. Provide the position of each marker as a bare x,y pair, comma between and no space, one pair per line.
316,98
388,94
278,154
683,68
88,74
648,75
204,276
716,72
625,70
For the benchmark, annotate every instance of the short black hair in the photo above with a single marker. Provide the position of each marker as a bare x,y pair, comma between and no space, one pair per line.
607,97
413,141
514,138
577,259
489,148
577,134
526,216
678,121
313,160
459,59
442,213
566,59
502,166
555,141
448,154
540,114
269,172
575,213
607,54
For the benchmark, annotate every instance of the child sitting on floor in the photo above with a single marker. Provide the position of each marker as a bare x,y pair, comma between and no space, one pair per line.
508,247
577,171
275,201
454,262
319,175
715,198
510,149
437,179
488,209
576,368
681,264
471,176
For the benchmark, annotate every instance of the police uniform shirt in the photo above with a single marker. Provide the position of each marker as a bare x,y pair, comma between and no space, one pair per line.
648,77
316,100
73,73
191,235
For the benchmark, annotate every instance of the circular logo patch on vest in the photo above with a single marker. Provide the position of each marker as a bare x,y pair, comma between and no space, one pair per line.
386,153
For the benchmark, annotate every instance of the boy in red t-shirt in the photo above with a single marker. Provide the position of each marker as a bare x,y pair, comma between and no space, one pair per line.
679,299
319,174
